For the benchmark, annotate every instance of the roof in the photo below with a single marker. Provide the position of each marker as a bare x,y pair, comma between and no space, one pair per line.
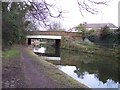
99,25
90,26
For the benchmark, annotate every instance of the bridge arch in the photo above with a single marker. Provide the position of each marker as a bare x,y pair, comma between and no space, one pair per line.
56,38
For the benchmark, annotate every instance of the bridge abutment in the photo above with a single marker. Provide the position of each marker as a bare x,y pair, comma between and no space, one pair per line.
29,41
57,43
57,46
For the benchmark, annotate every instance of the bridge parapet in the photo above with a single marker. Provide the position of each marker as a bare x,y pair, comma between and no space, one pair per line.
59,33
54,35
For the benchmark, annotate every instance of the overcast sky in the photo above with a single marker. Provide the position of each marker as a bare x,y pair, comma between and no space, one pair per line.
72,16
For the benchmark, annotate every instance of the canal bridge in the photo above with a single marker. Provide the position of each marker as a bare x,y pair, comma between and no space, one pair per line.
58,36
55,35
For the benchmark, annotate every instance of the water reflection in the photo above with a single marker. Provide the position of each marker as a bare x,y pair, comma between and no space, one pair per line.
52,58
48,51
39,50
106,70
92,70
90,80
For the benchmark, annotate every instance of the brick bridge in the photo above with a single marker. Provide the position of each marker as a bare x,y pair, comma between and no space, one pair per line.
56,33
58,36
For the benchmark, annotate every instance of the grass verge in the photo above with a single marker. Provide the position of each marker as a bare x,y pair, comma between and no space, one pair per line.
12,52
91,49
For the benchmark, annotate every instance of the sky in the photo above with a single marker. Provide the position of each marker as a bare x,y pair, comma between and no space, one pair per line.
72,16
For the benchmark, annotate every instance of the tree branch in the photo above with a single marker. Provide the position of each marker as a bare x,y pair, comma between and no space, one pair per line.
84,6
41,11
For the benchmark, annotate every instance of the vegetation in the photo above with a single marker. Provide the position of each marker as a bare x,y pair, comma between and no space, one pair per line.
13,24
105,43
11,53
55,26
81,30
16,16
91,49
106,37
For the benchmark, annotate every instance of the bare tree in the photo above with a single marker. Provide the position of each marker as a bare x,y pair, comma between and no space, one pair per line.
55,26
41,10
89,5
31,27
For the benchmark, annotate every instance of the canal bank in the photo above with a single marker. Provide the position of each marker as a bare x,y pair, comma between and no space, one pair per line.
88,47
35,72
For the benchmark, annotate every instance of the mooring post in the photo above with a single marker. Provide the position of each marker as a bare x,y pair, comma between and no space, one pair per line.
57,47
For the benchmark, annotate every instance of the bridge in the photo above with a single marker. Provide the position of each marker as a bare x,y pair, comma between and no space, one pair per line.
55,35
51,34
56,38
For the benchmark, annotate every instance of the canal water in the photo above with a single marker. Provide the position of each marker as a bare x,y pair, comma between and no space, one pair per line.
92,70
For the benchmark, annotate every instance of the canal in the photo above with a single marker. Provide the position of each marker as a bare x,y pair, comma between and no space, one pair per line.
92,70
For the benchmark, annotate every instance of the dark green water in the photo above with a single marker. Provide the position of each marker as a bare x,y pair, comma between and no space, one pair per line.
92,70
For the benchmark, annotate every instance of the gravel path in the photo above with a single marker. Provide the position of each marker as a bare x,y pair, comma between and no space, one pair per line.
35,77
20,72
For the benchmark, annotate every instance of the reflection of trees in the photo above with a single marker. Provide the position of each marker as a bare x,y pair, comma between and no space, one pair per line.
79,72
103,67
108,70
104,70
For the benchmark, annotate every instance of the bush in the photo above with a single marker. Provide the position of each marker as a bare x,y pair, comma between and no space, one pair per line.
91,32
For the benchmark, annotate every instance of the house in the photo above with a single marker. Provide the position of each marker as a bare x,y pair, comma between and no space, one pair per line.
97,26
